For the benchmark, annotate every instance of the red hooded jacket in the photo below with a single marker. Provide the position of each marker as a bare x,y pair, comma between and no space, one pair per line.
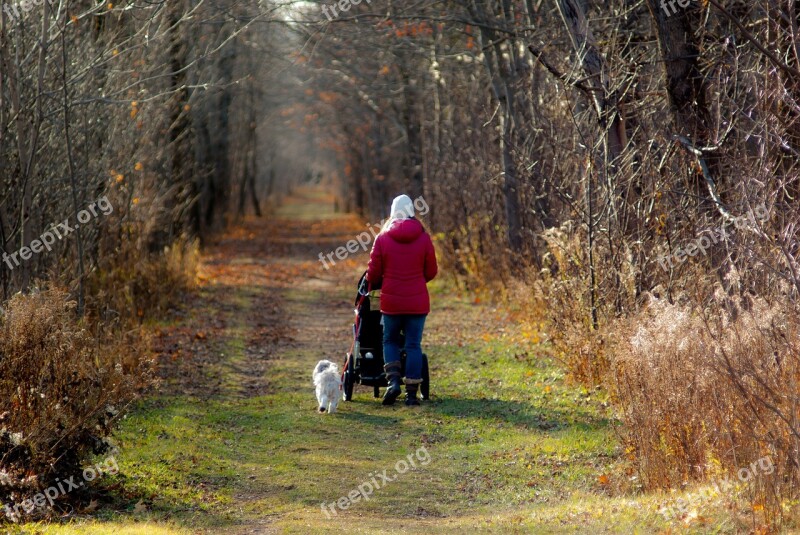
402,262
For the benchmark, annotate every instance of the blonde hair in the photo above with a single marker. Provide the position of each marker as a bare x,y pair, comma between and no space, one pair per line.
389,224
392,220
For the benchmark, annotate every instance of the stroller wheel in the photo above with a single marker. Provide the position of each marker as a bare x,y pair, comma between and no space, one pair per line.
377,392
349,378
425,387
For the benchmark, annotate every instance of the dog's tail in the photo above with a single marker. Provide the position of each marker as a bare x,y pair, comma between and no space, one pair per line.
318,369
331,371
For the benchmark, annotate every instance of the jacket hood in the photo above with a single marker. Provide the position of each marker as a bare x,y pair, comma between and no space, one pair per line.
405,230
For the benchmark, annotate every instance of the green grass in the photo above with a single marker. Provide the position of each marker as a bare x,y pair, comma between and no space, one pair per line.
501,449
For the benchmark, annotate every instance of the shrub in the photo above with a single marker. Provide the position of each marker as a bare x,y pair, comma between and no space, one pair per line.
131,285
60,391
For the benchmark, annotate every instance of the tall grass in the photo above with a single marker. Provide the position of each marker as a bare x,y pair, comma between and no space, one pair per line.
709,391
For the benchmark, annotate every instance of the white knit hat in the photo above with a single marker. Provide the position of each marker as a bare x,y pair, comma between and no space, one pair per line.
402,207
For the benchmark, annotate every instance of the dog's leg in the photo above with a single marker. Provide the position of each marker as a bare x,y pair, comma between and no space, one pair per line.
336,397
321,398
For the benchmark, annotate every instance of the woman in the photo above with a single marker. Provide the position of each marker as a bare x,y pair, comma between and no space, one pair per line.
401,263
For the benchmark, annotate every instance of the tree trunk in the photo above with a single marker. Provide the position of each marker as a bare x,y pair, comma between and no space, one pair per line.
685,83
181,157
686,87
414,136
592,62
504,87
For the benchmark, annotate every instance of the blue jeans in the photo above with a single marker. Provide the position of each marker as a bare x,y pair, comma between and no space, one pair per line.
411,325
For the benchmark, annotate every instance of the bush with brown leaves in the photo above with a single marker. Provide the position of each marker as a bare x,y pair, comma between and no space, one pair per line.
60,391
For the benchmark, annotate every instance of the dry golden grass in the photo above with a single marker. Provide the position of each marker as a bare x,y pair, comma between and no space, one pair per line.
706,393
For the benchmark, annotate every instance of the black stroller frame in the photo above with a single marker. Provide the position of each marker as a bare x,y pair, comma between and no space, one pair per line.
364,364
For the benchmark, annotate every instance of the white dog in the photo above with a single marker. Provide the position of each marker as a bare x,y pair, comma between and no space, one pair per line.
327,380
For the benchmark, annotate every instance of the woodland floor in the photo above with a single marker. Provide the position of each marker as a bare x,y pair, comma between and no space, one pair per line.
232,443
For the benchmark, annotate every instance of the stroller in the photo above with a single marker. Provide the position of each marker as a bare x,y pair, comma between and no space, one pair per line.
364,364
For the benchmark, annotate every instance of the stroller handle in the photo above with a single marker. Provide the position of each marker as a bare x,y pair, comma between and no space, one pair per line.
363,285
364,288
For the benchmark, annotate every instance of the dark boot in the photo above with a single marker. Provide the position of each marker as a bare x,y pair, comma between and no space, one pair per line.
392,370
411,395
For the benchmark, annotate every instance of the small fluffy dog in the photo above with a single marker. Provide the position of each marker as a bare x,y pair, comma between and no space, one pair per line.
327,381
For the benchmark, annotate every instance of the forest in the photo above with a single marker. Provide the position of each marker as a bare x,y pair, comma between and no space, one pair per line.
611,189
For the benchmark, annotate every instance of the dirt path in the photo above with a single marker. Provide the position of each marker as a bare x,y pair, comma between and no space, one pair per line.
286,303
283,312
